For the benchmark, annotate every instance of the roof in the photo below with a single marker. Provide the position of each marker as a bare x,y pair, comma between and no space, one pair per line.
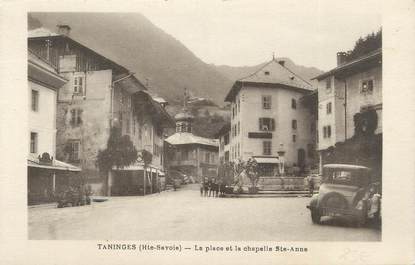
267,160
40,71
345,166
189,138
184,115
33,161
368,58
40,33
272,73
155,108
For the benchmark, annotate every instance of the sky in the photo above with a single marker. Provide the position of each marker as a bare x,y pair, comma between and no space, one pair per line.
242,32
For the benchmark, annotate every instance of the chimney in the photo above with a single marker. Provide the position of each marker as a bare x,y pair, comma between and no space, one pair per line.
64,29
341,58
282,62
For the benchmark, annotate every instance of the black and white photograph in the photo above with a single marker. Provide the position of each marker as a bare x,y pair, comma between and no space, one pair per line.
210,121
134,136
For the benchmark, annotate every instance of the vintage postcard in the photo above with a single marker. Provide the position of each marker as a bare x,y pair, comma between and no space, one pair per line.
207,131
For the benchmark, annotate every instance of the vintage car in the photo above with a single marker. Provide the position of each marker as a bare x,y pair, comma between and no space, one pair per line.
346,191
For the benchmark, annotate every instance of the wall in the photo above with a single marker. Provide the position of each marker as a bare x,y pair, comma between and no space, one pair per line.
283,114
93,133
355,101
43,121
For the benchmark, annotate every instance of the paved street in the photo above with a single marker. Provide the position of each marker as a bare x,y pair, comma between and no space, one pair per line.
184,215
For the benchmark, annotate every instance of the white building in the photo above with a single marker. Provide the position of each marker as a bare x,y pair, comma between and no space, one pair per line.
268,122
45,173
351,88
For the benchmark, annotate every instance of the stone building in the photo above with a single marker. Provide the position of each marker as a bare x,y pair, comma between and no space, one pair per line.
46,175
269,123
99,94
190,154
353,87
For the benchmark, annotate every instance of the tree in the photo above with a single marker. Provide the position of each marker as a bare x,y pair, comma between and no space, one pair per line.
120,152
366,45
248,168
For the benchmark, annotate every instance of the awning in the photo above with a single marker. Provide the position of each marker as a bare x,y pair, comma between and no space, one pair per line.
267,160
56,165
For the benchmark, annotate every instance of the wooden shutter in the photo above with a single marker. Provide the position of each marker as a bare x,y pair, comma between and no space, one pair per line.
260,123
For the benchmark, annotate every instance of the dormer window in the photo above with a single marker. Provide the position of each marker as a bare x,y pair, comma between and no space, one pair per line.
266,72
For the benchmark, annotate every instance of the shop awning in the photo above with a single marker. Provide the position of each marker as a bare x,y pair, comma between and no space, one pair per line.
56,165
267,160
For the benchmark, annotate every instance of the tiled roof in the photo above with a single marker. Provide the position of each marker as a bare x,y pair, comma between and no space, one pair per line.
352,64
33,161
190,138
272,73
41,32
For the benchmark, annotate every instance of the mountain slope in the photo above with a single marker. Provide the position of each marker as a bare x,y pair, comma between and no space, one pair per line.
133,41
234,73
155,57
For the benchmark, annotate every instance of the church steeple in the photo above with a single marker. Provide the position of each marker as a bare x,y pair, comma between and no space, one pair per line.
184,118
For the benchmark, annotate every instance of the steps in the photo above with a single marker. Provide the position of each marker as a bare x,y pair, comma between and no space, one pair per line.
271,194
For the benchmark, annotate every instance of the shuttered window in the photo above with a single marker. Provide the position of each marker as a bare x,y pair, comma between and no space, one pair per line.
266,124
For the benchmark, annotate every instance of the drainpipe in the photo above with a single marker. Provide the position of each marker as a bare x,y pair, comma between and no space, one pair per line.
345,109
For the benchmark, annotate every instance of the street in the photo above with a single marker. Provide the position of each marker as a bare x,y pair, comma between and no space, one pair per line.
185,215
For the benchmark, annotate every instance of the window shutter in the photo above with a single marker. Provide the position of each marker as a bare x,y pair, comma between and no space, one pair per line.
73,114
79,116
260,124
272,125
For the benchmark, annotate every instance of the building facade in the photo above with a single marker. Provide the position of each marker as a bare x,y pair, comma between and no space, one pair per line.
99,94
46,175
224,149
190,154
351,88
268,121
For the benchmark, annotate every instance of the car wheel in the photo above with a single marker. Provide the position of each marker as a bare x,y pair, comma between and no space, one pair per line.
315,216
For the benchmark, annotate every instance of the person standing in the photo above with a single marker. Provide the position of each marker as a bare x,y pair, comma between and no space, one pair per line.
310,182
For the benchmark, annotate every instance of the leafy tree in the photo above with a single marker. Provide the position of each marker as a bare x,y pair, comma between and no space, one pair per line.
366,45
120,152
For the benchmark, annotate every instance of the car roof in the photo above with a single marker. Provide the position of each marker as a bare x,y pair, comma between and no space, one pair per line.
345,166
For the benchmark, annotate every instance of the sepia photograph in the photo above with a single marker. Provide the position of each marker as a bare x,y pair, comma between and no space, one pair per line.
207,132
222,127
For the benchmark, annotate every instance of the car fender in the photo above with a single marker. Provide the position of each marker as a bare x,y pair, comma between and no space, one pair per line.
313,201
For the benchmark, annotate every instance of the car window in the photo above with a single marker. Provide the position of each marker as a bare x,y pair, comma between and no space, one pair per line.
342,176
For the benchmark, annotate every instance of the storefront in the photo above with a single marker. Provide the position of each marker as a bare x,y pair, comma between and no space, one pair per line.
46,177
136,180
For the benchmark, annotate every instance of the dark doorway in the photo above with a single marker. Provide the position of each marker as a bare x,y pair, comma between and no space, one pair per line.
301,158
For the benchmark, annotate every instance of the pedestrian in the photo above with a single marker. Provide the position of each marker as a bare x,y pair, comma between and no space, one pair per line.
206,186
202,186
310,182
214,188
